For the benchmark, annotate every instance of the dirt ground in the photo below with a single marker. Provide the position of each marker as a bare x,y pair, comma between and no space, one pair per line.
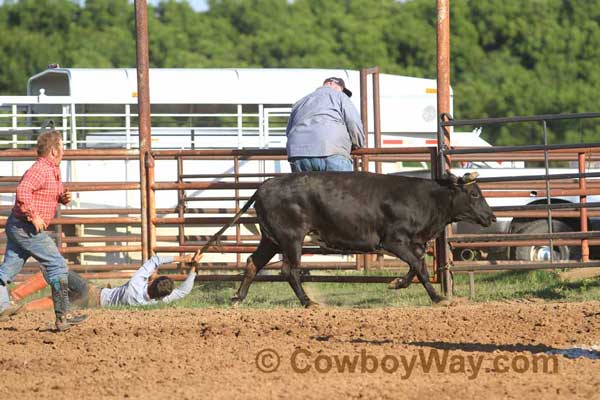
492,350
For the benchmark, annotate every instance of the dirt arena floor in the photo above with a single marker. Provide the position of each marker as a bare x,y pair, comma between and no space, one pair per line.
495,350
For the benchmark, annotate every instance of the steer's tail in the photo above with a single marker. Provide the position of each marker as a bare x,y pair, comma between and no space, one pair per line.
217,235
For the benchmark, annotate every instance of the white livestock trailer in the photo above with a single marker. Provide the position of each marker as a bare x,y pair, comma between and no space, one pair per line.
198,108
195,108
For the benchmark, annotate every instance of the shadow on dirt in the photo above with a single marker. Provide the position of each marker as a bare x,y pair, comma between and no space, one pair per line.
573,352
485,348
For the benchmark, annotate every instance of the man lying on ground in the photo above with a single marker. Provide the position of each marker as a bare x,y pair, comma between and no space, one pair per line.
140,290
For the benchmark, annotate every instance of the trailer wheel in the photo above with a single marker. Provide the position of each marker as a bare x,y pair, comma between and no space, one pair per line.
542,252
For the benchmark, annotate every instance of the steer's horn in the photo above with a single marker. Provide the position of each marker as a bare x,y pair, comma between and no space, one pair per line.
470,177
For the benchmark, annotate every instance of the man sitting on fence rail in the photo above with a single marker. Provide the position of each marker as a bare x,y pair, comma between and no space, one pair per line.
140,290
323,128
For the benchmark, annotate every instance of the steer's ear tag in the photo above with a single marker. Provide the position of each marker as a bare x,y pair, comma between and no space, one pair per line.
469,178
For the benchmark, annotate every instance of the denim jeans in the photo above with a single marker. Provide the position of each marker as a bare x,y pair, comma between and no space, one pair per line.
330,163
23,242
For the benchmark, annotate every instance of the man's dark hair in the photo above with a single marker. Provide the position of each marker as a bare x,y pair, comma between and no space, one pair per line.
160,287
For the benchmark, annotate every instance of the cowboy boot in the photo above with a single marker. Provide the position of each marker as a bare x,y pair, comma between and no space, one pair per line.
60,296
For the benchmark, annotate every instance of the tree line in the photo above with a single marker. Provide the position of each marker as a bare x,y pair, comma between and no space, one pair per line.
514,57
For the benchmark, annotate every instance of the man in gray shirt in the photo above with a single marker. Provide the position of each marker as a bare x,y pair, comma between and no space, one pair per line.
324,127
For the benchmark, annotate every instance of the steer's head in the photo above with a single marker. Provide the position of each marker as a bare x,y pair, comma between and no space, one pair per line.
468,202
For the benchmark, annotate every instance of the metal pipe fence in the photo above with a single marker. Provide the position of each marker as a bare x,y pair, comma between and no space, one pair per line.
88,252
548,187
206,201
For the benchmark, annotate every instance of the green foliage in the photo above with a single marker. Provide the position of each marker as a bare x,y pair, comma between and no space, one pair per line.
511,57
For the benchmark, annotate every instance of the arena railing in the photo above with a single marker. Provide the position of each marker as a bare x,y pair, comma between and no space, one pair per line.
544,186
87,252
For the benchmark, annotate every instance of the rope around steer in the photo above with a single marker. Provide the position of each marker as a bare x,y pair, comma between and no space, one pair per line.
199,253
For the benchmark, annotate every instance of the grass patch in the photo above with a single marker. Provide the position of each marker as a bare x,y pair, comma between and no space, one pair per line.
496,286
541,284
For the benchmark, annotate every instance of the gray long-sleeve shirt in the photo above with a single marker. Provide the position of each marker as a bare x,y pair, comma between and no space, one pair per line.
135,292
322,124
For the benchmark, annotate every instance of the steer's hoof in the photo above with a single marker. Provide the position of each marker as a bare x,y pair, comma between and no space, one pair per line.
397,283
312,304
236,301
441,301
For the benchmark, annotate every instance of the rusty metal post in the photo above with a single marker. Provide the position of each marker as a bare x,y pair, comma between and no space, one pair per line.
443,108
443,70
434,160
583,217
376,115
180,202
365,257
377,129
238,232
143,86
364,105
151,205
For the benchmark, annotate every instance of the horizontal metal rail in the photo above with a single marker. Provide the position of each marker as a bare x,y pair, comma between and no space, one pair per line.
89,221
258,278
517,178
521,236
29,269
521,243
517,119
554,206
242,248
470,266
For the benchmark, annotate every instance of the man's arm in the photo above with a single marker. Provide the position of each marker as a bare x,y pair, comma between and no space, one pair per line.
184,289
290,123
32,181
146,270
65,197
353,123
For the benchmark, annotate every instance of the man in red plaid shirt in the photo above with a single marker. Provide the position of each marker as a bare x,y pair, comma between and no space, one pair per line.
38,195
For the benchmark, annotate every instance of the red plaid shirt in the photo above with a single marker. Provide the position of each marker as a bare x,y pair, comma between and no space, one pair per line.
39,191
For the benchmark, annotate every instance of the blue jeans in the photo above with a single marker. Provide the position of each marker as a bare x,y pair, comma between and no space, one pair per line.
23,242
330,163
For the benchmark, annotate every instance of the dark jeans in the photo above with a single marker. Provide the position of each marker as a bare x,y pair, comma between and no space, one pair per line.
330,163
24,242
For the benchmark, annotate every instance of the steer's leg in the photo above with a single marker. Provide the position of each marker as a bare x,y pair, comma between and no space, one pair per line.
423,276
265,251
290,269
414,258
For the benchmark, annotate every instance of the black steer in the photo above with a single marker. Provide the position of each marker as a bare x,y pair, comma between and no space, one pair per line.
358,212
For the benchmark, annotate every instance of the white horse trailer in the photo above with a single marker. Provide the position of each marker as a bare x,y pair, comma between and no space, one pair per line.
195,108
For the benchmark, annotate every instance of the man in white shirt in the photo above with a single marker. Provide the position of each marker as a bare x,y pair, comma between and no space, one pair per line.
141,289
